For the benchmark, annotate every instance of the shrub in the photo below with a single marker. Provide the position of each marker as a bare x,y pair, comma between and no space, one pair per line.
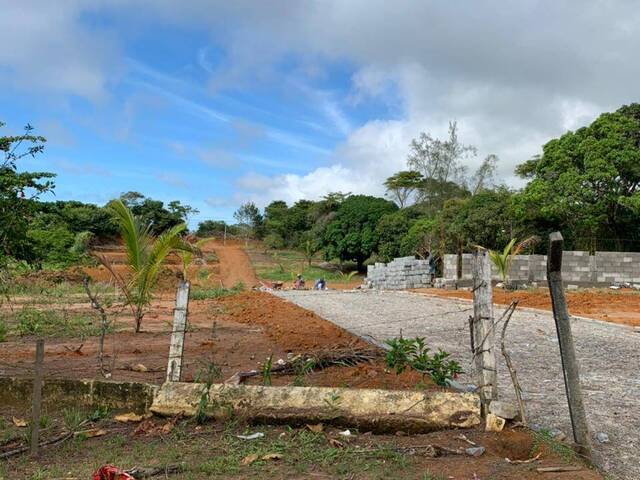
274,241
3,330
413,353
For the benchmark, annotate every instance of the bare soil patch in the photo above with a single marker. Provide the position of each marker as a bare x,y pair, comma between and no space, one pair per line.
615,306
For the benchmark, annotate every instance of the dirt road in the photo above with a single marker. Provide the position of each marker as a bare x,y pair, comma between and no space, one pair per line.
608,353
234,263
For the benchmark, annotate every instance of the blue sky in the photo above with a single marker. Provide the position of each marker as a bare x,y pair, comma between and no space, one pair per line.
216,103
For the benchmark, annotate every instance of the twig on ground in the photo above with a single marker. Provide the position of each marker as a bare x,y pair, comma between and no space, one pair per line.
529,460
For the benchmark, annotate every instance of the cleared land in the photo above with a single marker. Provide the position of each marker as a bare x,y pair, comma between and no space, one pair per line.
615,306
608,356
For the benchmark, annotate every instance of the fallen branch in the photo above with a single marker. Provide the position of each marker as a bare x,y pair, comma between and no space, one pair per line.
52,441
558,469
507,358
529,460
140,472
318,360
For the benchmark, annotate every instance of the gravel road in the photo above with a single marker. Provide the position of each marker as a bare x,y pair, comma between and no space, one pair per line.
609,358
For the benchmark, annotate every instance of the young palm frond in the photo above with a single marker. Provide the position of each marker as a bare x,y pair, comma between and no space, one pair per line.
145,256
186,256
502,260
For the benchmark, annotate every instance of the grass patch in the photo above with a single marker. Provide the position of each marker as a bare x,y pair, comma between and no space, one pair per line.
204,293
544,440
52,323
210,454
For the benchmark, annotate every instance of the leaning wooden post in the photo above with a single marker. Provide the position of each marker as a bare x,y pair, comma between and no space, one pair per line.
37,397
484,352
176,348
570,366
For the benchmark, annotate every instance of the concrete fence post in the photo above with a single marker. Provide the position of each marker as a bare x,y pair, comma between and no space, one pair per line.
176,348
483,341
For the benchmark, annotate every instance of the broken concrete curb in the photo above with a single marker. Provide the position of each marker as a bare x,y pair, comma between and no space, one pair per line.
371,409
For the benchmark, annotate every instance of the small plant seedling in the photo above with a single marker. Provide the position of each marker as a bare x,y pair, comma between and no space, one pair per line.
265,372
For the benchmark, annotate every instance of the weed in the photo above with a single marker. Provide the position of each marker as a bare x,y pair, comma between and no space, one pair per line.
265,371
73,418
98,414
208,375
404,353
301,369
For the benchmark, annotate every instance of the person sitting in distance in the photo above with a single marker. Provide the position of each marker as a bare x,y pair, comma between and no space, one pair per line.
320,284
298,284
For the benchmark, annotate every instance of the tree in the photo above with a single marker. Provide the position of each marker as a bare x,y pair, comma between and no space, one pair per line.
350,235
585,183
153,212
209,228
145,257
390,230
249,218
484,176
441,164
401,186
19,192
440,160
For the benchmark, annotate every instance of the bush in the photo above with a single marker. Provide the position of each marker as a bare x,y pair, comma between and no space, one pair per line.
413,353
81,243
274,241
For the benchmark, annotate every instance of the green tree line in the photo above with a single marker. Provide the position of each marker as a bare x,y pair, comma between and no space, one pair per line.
586,183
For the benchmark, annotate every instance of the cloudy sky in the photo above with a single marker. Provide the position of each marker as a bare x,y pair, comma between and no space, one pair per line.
218,102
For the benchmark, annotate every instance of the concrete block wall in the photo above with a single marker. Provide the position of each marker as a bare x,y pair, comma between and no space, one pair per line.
617,267
400,273
577,267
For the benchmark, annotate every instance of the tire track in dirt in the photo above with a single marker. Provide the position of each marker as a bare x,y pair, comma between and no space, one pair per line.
235,265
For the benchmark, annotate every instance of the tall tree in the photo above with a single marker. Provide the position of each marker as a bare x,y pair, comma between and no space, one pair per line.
585,182
484,176
249,218
402,185
440,160
19,192
351,235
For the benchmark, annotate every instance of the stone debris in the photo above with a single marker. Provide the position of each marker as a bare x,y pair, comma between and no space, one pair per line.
494,423
474,451
602,437
506,410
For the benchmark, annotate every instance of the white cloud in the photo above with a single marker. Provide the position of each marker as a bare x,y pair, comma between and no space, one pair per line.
44,47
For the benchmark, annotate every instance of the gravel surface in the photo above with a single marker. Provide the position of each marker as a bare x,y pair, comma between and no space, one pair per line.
609,358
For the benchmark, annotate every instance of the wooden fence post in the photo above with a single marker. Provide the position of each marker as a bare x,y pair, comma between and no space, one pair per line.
36,399
176,348
570,366
484,351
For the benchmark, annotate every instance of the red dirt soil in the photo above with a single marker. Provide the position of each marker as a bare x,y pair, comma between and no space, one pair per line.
235,266
613,306
235,333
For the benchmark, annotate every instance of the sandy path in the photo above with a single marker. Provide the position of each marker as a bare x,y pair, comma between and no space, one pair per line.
609,356
235,265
